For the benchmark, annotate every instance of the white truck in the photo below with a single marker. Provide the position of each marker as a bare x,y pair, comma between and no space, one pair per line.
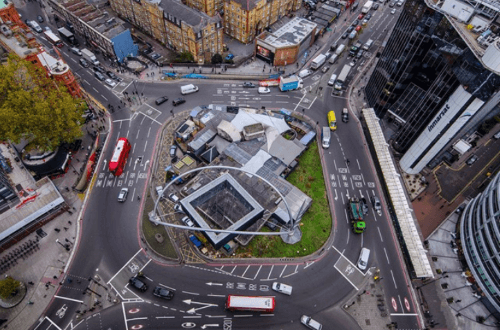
366,8
318,61
87,54
342,77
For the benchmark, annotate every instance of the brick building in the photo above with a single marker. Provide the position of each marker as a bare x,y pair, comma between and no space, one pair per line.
286,45
246,19
175,25
17,38
209,7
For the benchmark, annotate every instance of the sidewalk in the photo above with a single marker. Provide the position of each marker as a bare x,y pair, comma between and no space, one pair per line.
45,266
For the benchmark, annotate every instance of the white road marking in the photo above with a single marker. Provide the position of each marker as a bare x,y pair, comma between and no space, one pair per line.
387,256
394,280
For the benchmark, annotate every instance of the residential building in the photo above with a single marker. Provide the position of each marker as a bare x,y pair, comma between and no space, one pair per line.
431,83
209,7
286,45
175,25
479,236
246,19
100,30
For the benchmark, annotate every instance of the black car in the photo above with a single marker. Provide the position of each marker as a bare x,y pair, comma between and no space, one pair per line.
138,284
375,6
345,35
356,22
345,115
99,69
163,293
178,101
349,29
112,75
84,63
40,19
368,16
161,100
248,84
99,76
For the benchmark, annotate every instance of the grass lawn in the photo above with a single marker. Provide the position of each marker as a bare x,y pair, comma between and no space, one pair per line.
166,248
316,224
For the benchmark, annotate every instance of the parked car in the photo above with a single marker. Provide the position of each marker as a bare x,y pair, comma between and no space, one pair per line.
355,22
84,63
375,6
122,196
40,19
248,84
112,75
163,293
178,101
173,152
155,56
188,222
229,57
138,284
173,197
282,288
360,53
344,36
99,76
360,17
99,69
364,22
393,11
350,28
472,159
358,28
391,4
310,323
264,90
110,82
161,100
159,191
325,68
368,16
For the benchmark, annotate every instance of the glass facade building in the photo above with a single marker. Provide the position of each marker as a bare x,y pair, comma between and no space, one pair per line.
480,236
423,63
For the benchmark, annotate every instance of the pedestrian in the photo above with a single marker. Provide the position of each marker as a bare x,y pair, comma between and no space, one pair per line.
347,161
138,197
31,283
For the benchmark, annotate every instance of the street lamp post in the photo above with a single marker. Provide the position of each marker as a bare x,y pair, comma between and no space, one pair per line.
61,244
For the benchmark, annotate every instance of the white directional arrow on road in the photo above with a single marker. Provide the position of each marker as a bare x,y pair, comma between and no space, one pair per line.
146,164
193,310
336,197
212,283
204,326
105,161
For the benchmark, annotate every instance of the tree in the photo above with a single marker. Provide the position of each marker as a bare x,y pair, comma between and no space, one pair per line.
217,59
37,108
186,57
8,286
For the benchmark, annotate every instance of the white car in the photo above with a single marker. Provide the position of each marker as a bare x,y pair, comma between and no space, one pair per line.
310,323
110,82
393,11
122,196
173,197
305,73
178,208
282,288
264,90
159,191
187,221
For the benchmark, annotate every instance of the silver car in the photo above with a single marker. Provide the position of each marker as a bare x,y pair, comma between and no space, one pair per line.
122,196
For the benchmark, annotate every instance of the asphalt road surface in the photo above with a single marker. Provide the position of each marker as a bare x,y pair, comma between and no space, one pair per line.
110,246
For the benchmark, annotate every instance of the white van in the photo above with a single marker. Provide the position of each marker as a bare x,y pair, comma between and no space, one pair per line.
364,256
188,89
325,137
340,49
332,80
304,73
333,59
368,44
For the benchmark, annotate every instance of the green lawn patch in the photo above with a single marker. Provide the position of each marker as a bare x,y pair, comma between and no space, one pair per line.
165,248
316,223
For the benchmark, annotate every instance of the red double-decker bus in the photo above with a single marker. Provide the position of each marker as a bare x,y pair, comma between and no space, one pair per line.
119,158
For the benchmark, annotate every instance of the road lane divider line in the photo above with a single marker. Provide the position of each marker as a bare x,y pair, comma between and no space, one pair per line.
193,293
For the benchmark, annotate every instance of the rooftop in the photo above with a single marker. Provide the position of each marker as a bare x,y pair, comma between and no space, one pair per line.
247,4
55,66
175,10
23,44
292,33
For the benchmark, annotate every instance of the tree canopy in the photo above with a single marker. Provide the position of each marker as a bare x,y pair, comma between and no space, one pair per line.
37,108
217,58
8,286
